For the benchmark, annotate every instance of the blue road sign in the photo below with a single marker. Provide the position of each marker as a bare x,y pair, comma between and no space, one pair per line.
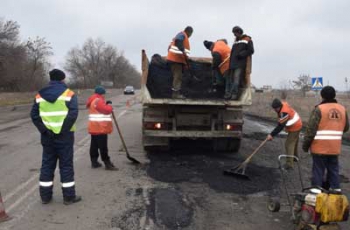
316,83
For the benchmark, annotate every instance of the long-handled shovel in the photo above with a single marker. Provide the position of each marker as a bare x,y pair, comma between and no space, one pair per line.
239,170
122,139
190,69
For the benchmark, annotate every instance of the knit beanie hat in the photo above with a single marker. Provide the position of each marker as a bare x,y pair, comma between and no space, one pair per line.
328,93
276,103
57,75
100,90
237,29
208,44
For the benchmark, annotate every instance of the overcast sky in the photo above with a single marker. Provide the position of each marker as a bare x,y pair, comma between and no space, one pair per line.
290,37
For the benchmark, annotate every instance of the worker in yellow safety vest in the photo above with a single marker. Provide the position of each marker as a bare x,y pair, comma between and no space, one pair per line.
54,113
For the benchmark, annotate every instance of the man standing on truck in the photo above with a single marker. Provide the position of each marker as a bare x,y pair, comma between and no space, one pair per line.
178,52
220,52
289,120
323,136
242,48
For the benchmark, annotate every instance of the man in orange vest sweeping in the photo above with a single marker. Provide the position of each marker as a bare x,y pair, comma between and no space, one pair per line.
289,120
323,136
100,125
178,52
220,52
54,113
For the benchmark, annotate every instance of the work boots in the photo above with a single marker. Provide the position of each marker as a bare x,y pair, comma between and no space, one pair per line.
95,164
110,166
71,200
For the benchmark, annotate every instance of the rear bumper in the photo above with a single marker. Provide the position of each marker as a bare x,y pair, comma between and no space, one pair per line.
193,134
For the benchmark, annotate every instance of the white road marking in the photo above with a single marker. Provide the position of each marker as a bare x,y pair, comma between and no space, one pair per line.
29,192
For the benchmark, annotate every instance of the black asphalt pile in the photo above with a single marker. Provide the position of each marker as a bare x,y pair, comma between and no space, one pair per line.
199,167
168,209
196,84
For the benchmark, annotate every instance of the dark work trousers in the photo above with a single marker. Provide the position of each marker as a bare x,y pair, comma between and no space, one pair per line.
99,143
319,165
59,147
233,81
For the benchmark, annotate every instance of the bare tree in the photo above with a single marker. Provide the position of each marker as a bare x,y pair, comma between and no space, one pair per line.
38,51
22,64
303,83
97,61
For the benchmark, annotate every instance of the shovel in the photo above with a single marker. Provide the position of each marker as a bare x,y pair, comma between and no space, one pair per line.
189,68
239,170
122,139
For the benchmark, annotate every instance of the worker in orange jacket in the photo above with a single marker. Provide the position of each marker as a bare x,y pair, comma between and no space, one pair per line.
178,52
220,52
99,126
289,120
323,136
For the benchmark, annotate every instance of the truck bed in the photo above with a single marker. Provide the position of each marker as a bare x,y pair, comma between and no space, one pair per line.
157,83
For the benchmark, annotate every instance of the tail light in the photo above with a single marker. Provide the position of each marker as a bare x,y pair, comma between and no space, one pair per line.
155,126
231,127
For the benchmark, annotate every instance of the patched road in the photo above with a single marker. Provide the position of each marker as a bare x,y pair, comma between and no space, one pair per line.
181,189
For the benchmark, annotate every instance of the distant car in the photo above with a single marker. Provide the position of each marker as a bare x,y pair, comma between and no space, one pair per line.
129,90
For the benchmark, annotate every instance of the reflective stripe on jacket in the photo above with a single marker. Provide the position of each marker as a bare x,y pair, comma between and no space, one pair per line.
54,114
176,55
330,129
99,123
293,119
224,50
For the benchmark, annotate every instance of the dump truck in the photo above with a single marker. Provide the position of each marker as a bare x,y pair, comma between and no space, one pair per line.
203,114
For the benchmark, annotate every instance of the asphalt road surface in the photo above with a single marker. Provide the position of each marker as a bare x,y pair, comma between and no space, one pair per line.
181,189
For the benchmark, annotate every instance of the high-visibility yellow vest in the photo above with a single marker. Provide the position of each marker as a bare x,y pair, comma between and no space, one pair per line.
53,114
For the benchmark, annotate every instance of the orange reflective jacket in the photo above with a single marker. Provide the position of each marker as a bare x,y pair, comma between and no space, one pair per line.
99,123
293,119
330,129
224,50
176,55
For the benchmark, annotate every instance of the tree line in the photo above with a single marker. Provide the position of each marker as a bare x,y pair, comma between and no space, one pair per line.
24,64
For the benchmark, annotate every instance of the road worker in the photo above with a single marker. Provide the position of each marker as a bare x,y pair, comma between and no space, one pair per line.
220,52
54,113
323,137
242,48
289,120
99,126
178,52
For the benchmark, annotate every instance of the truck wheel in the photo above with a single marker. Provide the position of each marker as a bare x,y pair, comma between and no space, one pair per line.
226,144
234,145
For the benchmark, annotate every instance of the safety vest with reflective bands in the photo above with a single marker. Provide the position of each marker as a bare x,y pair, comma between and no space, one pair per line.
53,114
293,119
224,50
330,129
176,55
99,123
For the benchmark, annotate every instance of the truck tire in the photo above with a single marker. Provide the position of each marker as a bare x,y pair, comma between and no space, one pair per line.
226,144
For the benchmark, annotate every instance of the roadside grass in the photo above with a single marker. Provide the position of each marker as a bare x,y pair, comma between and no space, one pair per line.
7,99
261,106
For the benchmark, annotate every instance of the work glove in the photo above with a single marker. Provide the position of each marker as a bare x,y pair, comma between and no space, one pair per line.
108,102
